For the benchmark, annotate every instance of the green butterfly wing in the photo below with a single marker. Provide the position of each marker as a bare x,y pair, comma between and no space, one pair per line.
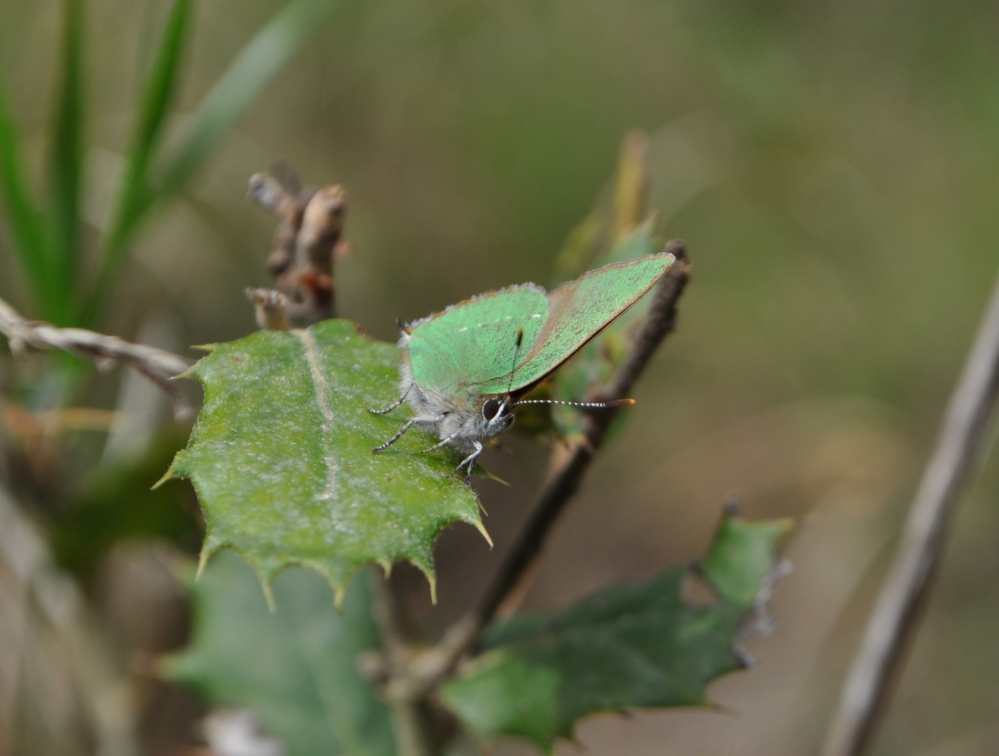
578,311
475,342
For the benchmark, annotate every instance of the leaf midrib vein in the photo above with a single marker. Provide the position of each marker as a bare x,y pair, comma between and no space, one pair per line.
321,387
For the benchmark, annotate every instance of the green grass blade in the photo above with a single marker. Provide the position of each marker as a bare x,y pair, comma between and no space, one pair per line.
256,64
65,171
135,196
22,215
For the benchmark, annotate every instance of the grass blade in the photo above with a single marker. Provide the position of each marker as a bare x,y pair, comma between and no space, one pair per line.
135,195
256,64
65,172
22,215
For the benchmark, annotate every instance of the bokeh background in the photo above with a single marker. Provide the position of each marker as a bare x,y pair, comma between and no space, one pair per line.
834,170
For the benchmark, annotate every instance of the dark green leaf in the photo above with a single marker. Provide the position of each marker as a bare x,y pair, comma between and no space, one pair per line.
627,646
281,457
135,196
66,170
22,215
295,668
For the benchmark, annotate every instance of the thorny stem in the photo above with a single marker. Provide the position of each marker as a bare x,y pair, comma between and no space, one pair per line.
431,667
895,615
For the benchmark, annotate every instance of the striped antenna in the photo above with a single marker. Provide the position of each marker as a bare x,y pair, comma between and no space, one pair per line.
591,405
516,353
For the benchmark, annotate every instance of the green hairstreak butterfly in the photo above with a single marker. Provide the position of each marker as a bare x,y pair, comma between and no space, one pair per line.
466,368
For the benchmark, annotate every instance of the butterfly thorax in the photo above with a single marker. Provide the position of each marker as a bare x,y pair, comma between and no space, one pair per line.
464,416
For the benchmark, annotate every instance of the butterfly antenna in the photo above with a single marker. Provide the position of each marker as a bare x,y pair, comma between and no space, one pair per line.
588,405
516,354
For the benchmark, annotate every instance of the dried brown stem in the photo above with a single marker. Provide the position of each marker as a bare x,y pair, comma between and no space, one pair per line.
271,309
306,243
434,665
155,364
895,615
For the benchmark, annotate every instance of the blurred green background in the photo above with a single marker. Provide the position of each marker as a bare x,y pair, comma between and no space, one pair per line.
834,170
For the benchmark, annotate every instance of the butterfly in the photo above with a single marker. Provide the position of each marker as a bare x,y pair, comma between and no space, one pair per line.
465,369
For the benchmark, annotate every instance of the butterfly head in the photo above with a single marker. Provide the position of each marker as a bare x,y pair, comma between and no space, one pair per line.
497,413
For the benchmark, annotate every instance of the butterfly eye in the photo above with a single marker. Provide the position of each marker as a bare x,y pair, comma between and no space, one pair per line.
490,408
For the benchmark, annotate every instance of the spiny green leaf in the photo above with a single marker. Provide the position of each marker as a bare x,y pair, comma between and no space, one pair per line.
22,215
66,169
295,668
629,645
135,195
281,457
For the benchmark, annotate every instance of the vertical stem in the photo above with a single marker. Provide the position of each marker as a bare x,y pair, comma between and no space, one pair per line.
893,620
416,732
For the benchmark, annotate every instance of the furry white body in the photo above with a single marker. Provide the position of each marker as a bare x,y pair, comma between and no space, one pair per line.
463,420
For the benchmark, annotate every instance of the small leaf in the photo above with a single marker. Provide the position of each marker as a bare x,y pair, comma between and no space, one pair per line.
629,645
620,209
295,668
281,457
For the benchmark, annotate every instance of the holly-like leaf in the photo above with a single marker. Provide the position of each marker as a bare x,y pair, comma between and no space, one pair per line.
281,457
296,668
627,646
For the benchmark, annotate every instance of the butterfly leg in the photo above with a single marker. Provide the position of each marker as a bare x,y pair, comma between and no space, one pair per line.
409,424
441,444
392,406
470,460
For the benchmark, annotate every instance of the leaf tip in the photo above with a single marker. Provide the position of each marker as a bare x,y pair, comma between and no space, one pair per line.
265,585
431,580
498,479
206,554
386,565
482,529
167,476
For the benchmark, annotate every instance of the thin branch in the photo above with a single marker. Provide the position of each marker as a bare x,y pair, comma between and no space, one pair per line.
155,364
894,618
434,665
415,727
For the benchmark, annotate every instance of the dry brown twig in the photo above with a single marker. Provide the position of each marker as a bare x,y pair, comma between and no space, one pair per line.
105,351
894,619
306,244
